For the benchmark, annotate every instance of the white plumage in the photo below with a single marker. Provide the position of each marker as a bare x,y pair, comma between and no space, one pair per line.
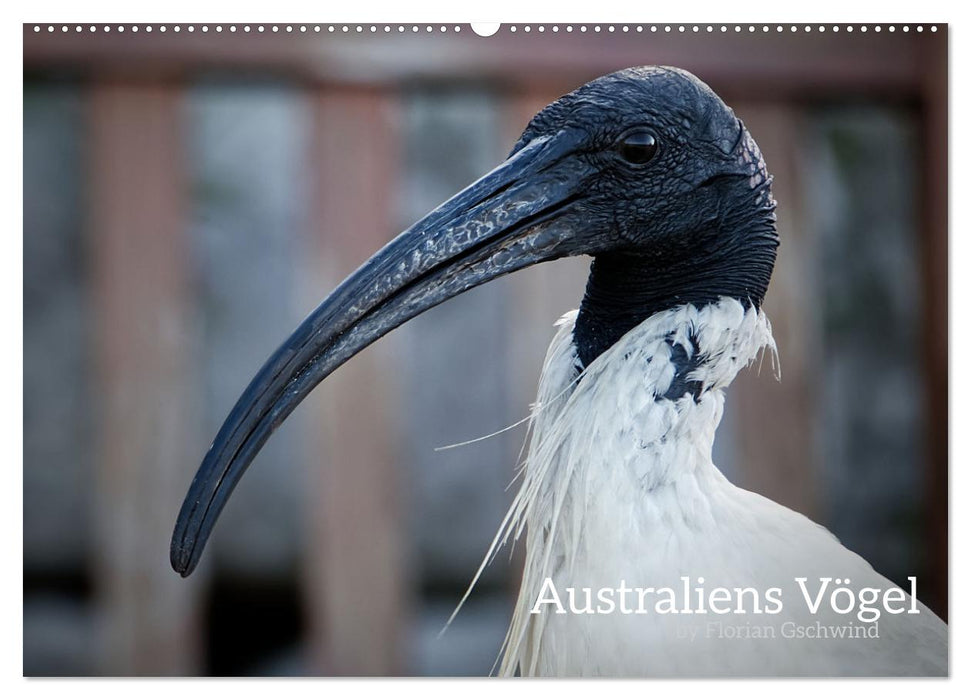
619,489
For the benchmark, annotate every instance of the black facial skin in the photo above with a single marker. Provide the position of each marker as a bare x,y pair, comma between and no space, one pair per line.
646,170
694,223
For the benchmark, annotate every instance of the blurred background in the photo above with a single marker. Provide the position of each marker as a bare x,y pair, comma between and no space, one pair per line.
189,197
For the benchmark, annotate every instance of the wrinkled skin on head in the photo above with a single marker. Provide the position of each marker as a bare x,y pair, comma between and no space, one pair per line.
694,224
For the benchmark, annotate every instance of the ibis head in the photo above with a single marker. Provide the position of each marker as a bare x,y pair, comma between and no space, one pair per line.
646,170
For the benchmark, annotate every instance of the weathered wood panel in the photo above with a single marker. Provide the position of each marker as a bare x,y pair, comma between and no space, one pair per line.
802,63
58,460
143,335
57,425
773,420
246,148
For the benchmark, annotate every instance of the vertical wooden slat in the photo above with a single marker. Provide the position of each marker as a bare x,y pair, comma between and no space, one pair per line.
934,269
356,549
774,420
150,616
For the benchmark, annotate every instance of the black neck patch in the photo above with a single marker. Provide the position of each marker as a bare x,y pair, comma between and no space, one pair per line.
626,288
683,367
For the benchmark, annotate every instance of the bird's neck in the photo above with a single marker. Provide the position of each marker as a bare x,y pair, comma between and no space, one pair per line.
626,288
615,448
661,386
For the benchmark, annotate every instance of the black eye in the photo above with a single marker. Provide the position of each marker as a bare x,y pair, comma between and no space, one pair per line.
637,146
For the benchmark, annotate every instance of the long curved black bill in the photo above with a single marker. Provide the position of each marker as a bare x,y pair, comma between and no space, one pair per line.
510,218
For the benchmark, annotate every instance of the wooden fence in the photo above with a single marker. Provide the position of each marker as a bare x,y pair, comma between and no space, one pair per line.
359,587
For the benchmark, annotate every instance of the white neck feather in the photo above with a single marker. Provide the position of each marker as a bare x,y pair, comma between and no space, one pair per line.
610,426
613,416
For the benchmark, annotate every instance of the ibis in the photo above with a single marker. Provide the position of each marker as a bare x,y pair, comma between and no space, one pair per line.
641,558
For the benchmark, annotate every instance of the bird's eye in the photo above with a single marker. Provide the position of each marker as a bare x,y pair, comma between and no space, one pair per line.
638,146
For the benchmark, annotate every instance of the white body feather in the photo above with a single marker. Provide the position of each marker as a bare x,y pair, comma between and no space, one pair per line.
619,489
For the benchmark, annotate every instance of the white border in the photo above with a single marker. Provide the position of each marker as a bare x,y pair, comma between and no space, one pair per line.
617,12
